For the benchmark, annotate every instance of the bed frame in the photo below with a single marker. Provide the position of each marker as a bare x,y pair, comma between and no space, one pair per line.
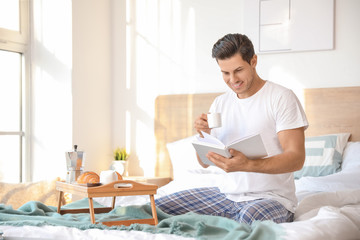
329,110
333,110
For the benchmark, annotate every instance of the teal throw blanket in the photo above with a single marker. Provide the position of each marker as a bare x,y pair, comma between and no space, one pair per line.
188,225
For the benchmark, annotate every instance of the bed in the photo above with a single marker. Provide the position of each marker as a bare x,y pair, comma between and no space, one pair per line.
328,187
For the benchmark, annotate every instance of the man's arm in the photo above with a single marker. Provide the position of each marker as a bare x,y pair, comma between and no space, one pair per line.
291,159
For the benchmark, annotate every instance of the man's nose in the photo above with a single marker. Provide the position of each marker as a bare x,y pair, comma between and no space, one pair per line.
233,78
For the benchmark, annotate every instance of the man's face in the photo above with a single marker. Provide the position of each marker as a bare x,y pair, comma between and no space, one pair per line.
239,75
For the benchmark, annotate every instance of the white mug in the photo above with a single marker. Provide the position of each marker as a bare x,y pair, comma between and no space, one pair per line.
214,120
108,176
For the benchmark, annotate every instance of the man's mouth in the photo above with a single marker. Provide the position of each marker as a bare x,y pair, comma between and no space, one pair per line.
237,85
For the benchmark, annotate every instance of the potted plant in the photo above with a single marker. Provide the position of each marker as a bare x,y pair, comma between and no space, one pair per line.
120,160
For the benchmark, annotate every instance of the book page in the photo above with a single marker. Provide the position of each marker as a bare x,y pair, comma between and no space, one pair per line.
210,139
252,147
203,149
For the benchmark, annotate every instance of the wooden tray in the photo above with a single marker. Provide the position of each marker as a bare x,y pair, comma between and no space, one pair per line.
118,188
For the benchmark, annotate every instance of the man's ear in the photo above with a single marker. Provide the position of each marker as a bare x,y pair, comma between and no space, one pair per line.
253,61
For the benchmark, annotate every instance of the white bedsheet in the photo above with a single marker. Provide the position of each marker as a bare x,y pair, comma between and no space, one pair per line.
58,232
326,215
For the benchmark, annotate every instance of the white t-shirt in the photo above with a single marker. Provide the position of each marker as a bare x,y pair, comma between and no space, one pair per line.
272,109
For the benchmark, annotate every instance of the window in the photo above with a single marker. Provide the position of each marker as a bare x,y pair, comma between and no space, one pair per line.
13,61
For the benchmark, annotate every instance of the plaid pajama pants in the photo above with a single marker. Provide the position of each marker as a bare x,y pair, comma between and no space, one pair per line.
209,201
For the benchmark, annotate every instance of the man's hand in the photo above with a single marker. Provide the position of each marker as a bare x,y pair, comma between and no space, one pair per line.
201,124
238,161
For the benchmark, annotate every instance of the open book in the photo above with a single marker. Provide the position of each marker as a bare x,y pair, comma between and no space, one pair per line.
252,147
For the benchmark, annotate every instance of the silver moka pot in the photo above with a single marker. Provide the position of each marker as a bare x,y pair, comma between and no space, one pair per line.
75,162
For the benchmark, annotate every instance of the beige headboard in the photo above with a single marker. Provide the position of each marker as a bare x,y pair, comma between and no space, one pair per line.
329,110
174,120
333,110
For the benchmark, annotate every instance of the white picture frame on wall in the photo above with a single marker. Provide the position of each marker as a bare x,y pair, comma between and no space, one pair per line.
290,25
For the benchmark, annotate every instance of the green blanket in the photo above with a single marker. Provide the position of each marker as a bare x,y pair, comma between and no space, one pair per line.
187,225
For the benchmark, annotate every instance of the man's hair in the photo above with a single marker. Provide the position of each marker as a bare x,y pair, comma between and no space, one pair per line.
231,44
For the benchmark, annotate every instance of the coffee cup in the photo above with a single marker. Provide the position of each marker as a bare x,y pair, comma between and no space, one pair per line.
214,120
108,176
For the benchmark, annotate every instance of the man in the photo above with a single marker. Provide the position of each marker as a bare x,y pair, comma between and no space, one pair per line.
260,189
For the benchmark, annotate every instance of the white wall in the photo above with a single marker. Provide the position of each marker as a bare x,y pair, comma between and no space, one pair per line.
70,85
167,50
91,81
50,95
318,69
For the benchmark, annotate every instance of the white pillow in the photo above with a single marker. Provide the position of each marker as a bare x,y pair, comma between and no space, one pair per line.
351,156
323,155
183,156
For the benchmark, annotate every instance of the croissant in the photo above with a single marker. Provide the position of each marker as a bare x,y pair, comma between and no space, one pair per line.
88,177
119,176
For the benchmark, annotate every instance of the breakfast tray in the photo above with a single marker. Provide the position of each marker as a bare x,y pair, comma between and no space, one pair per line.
114,189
